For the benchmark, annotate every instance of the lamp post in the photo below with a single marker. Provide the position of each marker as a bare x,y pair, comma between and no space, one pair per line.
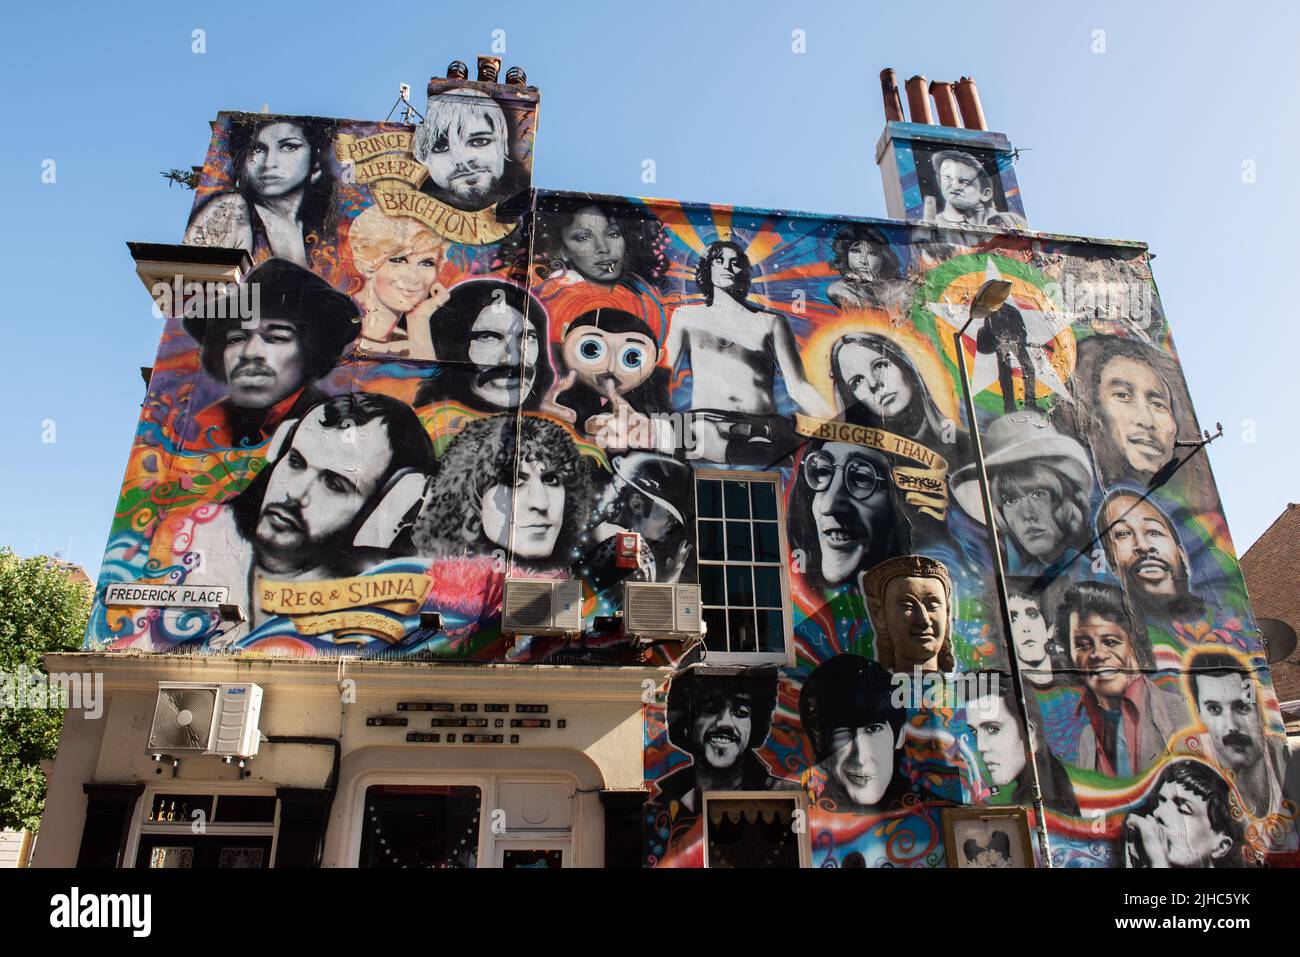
988,300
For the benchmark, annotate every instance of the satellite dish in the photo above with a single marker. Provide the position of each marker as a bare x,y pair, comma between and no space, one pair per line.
1279,638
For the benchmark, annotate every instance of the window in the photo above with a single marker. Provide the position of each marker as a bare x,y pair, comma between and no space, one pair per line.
741,567
432,826
751,832
191,830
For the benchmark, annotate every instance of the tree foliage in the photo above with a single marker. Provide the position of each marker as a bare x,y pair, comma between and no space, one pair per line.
41,610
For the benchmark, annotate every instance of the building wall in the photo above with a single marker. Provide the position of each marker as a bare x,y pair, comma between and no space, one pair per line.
674,342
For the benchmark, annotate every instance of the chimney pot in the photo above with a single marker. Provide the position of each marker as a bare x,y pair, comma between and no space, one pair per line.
489,67
457,70
945,104
918,100
515,76
968,99
889,90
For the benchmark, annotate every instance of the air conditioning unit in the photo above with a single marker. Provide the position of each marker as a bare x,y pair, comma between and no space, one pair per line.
658,611
537,606
219,719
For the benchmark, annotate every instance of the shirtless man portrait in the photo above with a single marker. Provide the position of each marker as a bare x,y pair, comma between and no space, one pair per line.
735,350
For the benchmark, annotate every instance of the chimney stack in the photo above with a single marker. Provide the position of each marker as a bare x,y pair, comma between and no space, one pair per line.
907,150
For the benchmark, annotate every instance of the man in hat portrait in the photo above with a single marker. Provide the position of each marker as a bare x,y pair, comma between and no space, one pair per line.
327,504
613,378
720,721
271,361
910,601
1040,481
1130,720
847,710
1143,550
650,495
464,143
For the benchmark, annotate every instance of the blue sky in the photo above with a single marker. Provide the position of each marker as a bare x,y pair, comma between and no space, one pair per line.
1144,141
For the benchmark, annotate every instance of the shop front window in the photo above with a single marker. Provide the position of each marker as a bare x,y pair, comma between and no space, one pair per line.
433,826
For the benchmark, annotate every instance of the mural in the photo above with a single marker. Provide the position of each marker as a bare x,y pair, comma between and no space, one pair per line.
437,377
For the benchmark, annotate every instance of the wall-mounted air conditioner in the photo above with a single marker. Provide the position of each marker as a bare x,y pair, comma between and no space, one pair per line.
658,611
536,606
218,719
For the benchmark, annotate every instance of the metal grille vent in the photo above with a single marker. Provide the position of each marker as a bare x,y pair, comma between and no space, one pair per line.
182,719
649,608
527,604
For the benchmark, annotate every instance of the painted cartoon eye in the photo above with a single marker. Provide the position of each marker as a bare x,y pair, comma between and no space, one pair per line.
591,348
632,358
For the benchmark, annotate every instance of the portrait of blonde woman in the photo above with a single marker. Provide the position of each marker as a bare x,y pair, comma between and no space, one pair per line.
399,259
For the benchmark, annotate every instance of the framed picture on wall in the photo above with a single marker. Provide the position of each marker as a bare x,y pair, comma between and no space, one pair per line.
979,837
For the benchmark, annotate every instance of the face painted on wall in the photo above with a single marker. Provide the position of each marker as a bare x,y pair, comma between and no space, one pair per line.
264,364
1227,709
1137,412
875,380
721,729
1030,516
1028,632
467,159
850,506
725,268
538,499
1183,828
960,184
405,279
862,260
317,489
916,614
862,761
1144,549
498,338
594,245
604,360
279,162
997,738
1103,652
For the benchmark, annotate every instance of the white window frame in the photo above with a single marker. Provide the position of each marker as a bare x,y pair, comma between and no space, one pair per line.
140,826
798,798
775,479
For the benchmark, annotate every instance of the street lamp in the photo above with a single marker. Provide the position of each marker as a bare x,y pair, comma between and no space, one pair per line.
988,300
